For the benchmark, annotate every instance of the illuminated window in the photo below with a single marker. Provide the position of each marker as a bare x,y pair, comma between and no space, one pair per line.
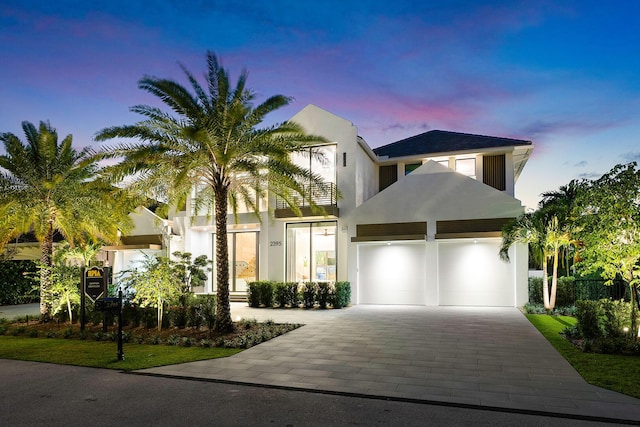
466,167
243,260
311,251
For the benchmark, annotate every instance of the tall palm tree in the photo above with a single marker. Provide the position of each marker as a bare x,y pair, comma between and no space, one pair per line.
210,142
543,235
49,187
561,203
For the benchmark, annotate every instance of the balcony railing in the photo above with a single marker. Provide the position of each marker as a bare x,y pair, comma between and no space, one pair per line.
325,199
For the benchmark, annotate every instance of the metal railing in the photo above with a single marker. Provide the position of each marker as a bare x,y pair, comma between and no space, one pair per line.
318,195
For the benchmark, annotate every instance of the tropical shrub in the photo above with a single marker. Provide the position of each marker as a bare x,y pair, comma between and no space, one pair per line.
309,294
253,295
588,315
265,290
604,319
324,292
342,296
207,304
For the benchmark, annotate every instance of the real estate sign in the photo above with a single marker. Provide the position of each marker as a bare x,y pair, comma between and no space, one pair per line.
95,282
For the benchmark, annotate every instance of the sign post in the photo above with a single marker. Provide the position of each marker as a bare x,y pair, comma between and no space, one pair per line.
94,285
113,305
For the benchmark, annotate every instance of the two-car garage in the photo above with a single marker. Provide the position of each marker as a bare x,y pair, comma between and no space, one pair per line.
464,272
433,238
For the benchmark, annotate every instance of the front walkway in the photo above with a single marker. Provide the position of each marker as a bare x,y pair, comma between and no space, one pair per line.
486,357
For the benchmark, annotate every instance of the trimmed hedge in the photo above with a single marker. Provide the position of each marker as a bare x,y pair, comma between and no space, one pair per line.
565,294
19,282
267,293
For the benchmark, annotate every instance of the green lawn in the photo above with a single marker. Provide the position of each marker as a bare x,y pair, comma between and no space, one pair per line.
103,354
610,371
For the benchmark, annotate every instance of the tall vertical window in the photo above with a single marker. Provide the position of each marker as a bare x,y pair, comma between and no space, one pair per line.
243,260
311,251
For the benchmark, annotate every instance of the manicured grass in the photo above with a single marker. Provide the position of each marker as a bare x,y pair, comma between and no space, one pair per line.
102,354
611,371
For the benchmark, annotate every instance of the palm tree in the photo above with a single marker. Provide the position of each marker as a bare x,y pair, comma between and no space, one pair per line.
49,187
210,142
561,203
528,229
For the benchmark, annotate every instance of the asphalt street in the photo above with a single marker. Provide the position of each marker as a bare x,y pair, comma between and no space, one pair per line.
33,394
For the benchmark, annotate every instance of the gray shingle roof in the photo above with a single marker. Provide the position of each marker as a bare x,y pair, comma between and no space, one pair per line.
440,141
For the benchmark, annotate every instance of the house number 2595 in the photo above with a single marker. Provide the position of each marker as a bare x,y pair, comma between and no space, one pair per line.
275,243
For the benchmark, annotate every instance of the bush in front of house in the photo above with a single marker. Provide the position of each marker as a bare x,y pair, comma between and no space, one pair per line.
324,292
342,295
289,294
605,326
261,292
285,294
309,294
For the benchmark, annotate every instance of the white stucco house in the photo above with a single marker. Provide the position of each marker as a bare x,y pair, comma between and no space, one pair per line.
418,222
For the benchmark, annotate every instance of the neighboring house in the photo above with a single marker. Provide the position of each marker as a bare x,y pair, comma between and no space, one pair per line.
151,236
418,222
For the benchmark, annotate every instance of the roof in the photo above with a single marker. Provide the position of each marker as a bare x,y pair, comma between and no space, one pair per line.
440,141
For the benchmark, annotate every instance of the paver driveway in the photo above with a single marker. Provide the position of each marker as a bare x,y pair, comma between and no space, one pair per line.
489,357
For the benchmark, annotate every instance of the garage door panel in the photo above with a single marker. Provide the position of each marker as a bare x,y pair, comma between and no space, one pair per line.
473,274
391,274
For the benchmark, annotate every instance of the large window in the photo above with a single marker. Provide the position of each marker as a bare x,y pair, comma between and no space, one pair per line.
326,167
243,260
311,251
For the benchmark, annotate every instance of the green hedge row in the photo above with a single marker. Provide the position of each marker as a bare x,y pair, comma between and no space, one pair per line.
18,282
290,294
565,295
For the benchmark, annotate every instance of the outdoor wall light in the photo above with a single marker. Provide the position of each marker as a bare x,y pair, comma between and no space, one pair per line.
475,240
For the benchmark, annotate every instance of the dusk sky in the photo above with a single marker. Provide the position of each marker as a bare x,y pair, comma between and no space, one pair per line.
563,74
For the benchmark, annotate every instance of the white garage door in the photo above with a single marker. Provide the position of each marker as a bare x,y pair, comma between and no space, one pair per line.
391,273
472,274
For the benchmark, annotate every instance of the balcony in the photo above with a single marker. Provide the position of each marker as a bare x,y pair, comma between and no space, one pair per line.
328,201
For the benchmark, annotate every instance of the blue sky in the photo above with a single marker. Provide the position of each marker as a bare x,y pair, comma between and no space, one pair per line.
565,75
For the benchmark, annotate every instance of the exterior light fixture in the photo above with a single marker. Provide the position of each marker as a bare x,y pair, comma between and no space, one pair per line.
475,240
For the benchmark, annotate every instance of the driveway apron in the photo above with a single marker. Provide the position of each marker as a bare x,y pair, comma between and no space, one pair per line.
488,357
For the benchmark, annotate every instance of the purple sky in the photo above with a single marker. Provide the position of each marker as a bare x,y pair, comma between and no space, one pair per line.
565,75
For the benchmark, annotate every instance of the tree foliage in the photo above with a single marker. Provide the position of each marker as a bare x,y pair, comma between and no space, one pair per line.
609,228
160,280
48,187
210,142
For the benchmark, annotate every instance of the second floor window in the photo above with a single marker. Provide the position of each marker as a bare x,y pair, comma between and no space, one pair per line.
326,169
466,167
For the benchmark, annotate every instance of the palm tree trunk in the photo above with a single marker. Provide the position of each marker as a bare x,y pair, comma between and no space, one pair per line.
554,279
545,282
223,308
46,259
160,314
69,308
